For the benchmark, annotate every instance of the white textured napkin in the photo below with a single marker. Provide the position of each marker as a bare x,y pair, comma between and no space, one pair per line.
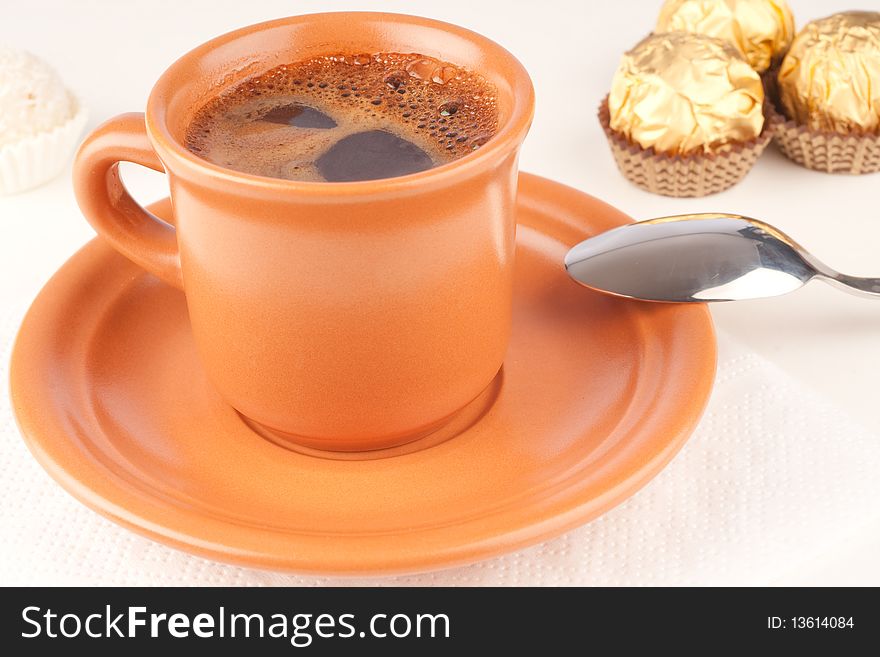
772,477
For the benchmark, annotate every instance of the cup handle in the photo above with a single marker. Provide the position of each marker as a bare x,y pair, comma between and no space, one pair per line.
136,233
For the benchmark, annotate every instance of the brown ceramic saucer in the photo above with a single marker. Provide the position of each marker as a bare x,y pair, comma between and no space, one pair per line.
596,396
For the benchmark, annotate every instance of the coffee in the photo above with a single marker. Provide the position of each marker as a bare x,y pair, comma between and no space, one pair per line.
344,118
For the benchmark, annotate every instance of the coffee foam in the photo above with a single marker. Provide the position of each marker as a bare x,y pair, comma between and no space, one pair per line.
443,109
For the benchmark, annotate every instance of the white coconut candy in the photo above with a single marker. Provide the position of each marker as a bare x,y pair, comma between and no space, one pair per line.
40,121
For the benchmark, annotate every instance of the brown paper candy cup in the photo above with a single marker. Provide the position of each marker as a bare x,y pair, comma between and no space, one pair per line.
699,174
830,152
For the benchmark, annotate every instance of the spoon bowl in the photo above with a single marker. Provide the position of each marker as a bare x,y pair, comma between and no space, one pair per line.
701,258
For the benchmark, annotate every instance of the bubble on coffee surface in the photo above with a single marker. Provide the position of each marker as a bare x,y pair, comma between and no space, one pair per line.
408,113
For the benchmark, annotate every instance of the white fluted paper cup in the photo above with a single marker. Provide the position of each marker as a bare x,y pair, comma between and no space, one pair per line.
36,159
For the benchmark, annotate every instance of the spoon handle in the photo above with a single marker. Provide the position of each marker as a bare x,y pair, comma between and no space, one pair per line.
863,287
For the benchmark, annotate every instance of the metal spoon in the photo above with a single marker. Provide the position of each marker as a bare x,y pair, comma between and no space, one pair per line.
701,257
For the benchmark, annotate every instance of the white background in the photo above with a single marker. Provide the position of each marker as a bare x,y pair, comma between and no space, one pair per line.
110,53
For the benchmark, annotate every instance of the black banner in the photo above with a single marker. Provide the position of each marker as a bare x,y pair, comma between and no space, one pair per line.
430,621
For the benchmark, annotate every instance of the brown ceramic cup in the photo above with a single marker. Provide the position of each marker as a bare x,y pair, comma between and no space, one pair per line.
341,316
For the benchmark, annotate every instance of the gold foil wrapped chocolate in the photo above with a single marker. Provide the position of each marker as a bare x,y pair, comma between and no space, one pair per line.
761,30
683,93
830,78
